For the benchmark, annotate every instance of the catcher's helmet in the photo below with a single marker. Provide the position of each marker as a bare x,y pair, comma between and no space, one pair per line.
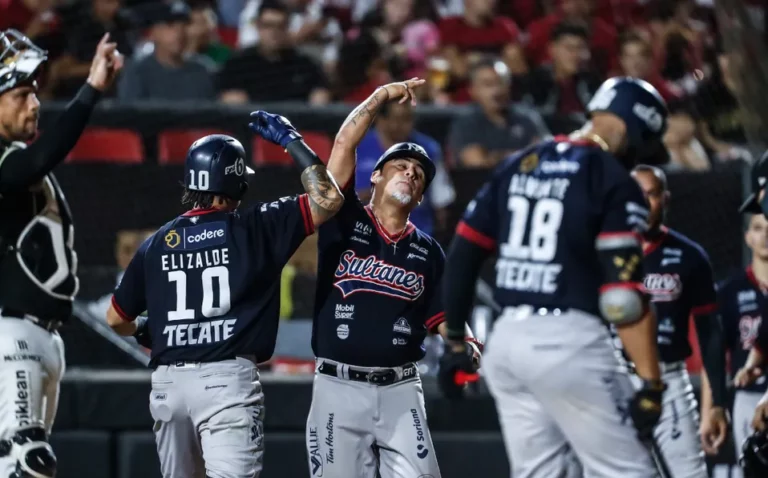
20,60
216,164
412,151
758,179
639,105
754,456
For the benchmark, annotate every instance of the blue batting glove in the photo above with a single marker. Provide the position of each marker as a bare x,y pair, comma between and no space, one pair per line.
274,128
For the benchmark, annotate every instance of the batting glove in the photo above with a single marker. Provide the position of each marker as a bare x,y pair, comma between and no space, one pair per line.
645,407
457,369
274,128
142,332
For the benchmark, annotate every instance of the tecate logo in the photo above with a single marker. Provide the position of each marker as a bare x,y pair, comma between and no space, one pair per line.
205,235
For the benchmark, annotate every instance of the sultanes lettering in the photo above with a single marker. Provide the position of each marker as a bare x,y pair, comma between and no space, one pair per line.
370,274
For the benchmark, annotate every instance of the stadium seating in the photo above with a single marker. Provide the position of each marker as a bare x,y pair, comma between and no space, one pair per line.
266,153
172,145
108,145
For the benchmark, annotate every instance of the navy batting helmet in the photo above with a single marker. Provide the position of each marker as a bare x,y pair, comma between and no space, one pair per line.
216,164
20,60
638,104
411,151
758,179
754,456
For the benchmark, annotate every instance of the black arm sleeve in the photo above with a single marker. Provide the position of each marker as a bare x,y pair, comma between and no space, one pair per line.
26,166
462,267
303,154
709,331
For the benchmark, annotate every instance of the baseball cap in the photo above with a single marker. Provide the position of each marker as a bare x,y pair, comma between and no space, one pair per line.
161,12
758,180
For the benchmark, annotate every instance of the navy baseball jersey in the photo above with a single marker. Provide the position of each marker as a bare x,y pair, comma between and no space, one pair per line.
210,281
743,304
543,210
679,281
377,294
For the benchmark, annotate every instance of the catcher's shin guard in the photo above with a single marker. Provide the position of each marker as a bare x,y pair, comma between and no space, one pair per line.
34,456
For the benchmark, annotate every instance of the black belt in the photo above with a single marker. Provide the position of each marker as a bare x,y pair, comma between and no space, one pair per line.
385,376
49,325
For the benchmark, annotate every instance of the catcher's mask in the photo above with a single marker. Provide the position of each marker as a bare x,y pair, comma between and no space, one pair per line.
20,60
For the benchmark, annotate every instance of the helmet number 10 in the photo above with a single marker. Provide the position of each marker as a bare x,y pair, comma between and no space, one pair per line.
542,224
202,180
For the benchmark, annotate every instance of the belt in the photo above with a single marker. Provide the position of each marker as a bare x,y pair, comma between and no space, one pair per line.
384,376
49,325
197,363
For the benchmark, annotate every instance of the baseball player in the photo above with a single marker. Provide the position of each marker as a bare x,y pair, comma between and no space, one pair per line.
377,298
210,283
566,217
37,261
743,303
679,280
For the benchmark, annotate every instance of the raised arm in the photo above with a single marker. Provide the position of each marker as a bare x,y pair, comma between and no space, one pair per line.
342,161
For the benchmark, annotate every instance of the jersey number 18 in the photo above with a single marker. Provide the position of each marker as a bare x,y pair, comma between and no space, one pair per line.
542,224
207,308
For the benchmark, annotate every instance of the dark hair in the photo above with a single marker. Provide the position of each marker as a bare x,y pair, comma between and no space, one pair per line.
482,63
656,171
272,5
355,58
567,28
631,36
198,198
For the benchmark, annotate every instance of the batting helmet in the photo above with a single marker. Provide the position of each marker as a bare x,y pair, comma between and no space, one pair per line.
20,60
759,179
411,151
638,104
754,456
216,164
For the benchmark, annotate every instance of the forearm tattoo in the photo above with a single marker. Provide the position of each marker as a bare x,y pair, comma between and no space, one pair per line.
366,111
325,197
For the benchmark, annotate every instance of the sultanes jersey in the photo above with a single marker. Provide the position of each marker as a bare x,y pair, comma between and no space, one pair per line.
377,295
543,210
210,281
679,281
743,306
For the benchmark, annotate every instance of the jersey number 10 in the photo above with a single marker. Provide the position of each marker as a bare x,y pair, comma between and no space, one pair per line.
207,308
542,224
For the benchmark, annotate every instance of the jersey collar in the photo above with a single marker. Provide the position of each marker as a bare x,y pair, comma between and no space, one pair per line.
650,246
409,228
201,211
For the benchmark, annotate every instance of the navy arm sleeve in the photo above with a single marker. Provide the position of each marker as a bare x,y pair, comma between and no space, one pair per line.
21,167
474,241
435,310
130,297
284,224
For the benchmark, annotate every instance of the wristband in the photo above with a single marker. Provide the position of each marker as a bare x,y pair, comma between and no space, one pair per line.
303,154
141,324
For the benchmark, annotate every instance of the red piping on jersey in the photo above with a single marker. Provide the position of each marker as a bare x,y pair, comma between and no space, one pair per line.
704,309
120,311
751,277
201,211
409,228
474,236
650,246
306,214
435,320
561,138
605,235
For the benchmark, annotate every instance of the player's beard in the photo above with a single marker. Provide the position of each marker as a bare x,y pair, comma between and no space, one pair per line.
403,198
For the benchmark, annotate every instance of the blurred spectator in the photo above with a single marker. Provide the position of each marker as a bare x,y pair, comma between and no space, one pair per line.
83,29
298,280
272,70
478,32
564,86
202,35
493,127
601,34
394,124
636,59
311,29
167,73
721,120
678,40
361,68
685,151
33,18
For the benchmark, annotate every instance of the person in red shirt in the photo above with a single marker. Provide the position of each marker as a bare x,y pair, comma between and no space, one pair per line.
602,35
477,33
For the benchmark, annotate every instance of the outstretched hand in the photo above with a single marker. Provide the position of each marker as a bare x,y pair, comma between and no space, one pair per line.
107,63
403,90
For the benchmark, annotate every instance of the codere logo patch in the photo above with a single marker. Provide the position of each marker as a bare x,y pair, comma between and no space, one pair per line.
197,237
172,239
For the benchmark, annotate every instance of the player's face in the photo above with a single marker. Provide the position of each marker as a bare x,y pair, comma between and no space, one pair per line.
757,236
654,192
19,112
403,181
398,124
